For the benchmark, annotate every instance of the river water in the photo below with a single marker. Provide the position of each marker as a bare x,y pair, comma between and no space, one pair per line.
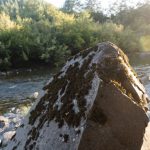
17,88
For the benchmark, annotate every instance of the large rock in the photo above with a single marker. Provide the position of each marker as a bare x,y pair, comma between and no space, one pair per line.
94,102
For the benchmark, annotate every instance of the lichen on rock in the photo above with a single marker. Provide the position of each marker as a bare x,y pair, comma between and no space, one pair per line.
95,100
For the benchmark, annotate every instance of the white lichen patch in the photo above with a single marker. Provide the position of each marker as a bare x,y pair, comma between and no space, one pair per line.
58,138
75,106
93,92
58,102
68,64
96,57
72,62
50,81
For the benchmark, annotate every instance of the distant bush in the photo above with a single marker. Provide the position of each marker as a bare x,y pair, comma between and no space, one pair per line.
34,31
145,41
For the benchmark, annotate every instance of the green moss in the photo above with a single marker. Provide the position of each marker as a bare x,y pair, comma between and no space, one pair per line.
119,86
122,89
76,86
66,138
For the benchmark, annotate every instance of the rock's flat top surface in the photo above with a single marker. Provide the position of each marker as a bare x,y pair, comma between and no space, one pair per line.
94,102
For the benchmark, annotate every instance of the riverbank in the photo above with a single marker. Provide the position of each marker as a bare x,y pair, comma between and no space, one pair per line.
28,71
142,57
10,121
12,117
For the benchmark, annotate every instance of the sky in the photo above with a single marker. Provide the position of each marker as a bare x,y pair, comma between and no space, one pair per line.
57,3
104,3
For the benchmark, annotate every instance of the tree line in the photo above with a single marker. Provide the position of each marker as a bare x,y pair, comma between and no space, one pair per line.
35,32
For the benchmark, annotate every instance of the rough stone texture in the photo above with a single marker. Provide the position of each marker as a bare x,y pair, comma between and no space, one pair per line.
94,102
123,127
8,124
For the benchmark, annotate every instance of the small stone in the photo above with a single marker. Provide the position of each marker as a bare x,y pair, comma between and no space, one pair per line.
2,118
34,95
7,136
2,124
73,139
12,109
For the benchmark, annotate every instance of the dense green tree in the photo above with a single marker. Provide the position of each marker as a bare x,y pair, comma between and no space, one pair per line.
72,6
93,5
37,32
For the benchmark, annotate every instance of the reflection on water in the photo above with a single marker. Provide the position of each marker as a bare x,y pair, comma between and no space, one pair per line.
16,88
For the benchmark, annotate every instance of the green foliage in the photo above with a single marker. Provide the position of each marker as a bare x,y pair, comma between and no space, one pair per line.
4,57
137,18
92,5
36,32
69,6
29,36
129,41
145,41
55,54
99,17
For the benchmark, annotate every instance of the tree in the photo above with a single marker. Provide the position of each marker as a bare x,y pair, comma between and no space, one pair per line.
93,5
33,31
72,6
99,17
